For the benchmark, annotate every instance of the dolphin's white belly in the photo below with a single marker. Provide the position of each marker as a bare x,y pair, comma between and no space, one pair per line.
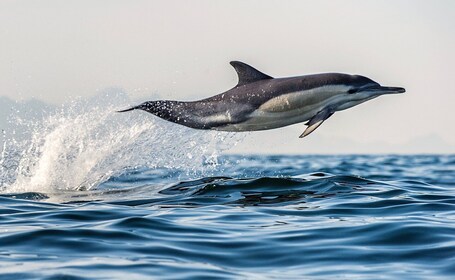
284,110
260,120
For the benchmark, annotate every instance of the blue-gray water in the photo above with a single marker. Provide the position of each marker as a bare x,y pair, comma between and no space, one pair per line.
279,217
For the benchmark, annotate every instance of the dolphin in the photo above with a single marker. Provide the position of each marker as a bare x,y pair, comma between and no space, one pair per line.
261,102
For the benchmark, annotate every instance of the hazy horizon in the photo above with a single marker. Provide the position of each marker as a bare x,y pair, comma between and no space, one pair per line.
54,51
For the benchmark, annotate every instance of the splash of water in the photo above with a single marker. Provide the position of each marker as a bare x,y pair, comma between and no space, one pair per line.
83,143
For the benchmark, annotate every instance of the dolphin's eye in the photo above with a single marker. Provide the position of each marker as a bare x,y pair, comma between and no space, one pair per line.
352,90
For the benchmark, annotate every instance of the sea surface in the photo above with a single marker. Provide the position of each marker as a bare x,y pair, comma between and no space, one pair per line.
91,194
260,217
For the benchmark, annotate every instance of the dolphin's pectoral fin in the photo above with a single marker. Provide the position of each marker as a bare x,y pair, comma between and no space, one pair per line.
248,74
316,121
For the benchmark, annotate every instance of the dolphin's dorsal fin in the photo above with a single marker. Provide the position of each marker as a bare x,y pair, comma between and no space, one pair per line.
248,74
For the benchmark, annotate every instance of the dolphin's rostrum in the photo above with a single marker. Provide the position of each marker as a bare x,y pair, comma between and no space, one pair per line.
260,102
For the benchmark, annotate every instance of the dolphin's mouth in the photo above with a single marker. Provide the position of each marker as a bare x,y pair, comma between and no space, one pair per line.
392,89
385,90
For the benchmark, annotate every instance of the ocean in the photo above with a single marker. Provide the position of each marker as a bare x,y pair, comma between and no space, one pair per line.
86,194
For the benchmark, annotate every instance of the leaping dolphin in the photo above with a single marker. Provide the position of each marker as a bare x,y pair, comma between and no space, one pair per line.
260,102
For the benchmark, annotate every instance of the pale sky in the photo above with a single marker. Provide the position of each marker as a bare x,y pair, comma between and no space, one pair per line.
56,50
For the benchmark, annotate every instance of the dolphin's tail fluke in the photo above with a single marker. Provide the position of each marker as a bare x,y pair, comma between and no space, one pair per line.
160,108
129,109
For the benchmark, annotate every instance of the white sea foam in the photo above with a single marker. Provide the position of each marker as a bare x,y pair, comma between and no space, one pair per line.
83,143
